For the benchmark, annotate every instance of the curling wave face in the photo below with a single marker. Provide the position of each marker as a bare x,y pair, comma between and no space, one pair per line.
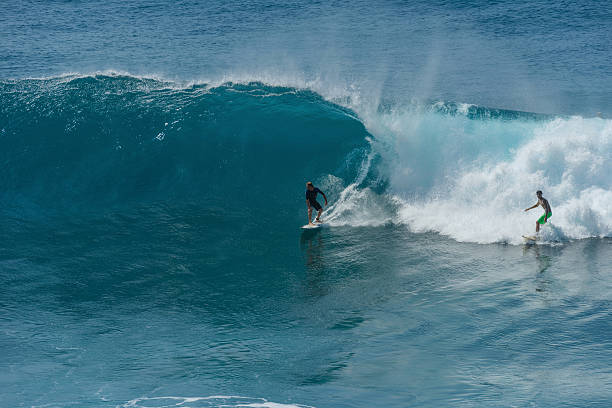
83,143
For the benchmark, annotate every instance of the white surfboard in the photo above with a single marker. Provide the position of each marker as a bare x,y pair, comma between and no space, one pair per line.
311,226
530,239
314,225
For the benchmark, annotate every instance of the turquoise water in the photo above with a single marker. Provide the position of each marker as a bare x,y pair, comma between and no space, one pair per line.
153,164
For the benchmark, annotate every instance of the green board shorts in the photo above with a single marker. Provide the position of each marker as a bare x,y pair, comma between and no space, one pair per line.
542,221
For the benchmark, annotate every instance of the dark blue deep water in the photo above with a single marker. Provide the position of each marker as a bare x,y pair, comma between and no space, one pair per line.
153,157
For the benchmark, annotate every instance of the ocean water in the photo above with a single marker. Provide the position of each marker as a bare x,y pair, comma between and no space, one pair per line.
153,157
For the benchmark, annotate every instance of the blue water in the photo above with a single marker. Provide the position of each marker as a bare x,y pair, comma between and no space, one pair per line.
153,160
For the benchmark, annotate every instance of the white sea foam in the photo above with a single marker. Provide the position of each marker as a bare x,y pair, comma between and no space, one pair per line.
464,108
213,401
569,159
471,180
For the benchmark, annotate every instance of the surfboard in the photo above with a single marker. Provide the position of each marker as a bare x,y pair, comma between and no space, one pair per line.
314,225
311,226
530,239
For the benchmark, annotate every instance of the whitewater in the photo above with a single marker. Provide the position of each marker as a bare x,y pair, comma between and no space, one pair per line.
153,161
466,175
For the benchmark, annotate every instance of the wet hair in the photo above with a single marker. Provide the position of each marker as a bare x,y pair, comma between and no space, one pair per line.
539,192
309,183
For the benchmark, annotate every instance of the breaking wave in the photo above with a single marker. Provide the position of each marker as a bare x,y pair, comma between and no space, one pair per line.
77,144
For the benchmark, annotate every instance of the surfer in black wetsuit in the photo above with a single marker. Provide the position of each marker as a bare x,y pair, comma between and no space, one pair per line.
547,211
311,201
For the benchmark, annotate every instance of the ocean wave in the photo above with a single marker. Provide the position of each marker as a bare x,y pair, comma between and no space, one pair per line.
98,141
85,142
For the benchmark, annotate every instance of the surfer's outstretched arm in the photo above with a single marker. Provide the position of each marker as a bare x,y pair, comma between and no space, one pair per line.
532,207
324,197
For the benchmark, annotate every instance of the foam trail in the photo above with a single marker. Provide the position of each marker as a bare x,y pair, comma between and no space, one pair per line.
359,205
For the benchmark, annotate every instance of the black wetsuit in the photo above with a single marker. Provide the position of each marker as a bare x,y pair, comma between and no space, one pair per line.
311,196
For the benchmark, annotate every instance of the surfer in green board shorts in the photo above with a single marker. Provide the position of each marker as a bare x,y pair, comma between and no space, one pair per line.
547,211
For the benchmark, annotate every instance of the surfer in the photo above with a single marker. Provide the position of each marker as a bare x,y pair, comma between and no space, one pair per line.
547,211
311,201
